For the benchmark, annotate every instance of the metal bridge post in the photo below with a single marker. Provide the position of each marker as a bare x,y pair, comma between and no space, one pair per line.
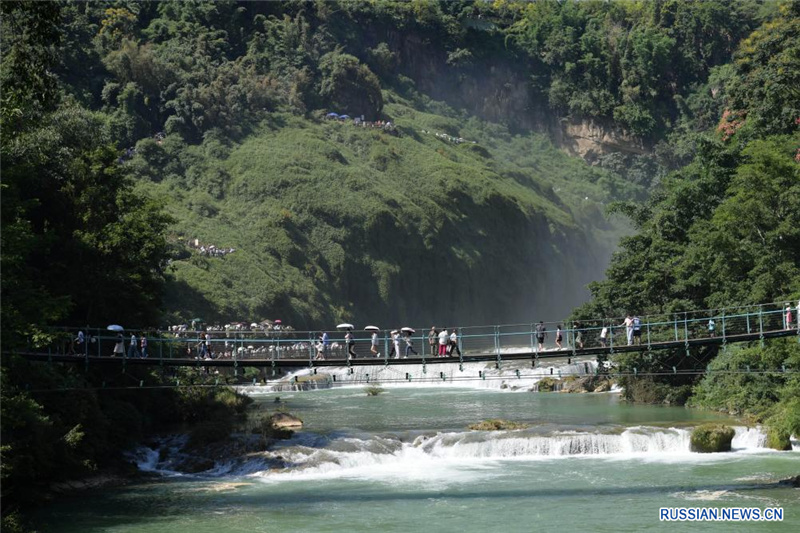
497,344
310,352
724,340
685,334
422,348
647,326
533,346
676,328
761,325
574,348
611,339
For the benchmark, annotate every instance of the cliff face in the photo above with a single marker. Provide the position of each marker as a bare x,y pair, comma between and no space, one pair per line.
499,90
589,139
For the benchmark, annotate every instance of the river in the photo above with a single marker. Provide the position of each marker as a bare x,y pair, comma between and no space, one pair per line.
404,461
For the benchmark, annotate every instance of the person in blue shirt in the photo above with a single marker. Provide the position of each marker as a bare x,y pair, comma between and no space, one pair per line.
326,347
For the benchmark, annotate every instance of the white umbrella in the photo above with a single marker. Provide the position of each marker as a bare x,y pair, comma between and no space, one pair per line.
115,327
372,328
345,326
407,330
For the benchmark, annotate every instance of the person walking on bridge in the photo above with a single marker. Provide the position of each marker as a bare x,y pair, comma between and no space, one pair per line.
374,344
432,340
577,333
444,340
409,345
119,347
395,344
454,343
637,329
326,345
541,334
133,351
628,323
603,336
348,339
559,336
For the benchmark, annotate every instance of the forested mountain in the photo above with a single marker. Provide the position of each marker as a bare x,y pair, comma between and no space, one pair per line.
130,129
218,111
723,231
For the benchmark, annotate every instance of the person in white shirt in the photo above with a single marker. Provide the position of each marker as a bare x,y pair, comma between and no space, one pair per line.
348,338
79,343
603,336
374,348
454,343
133,350
444,339
396,343
628,323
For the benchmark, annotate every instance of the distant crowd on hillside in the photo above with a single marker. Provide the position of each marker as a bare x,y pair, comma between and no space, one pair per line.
385,125
450,138
210,250
128,153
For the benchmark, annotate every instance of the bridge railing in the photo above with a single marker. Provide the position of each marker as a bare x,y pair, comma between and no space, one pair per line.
497,339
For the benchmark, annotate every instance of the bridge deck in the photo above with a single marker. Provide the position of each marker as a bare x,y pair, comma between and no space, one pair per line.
364,361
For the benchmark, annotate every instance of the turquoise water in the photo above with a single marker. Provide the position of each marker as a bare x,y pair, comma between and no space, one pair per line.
403,461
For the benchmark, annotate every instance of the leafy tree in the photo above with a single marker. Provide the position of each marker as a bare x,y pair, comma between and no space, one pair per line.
350,86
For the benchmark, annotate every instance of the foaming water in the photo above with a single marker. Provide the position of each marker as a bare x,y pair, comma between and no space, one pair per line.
455,457
511,376
404,461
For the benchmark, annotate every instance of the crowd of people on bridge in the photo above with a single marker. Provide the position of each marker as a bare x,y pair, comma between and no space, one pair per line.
271,338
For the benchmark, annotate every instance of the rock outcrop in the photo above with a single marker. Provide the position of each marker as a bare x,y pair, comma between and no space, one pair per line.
285,421
712,438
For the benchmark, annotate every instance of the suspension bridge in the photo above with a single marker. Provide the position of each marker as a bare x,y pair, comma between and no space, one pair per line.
498,343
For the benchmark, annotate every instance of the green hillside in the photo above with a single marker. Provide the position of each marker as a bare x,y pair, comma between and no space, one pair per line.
332,221
225,102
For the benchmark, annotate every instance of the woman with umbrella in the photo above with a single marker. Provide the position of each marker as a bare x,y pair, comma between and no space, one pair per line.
395,344
348,340
119,347
409,341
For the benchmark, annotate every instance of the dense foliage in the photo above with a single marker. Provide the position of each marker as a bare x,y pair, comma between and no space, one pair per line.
79,244
217,110
224,85
722,231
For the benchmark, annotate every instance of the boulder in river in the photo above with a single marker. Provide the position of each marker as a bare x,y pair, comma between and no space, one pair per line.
285,421
711,438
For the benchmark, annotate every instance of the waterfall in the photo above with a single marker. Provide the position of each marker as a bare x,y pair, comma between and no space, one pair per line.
311,455
511,375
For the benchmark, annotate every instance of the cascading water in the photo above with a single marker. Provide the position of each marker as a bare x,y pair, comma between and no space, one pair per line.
512,375
311,455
